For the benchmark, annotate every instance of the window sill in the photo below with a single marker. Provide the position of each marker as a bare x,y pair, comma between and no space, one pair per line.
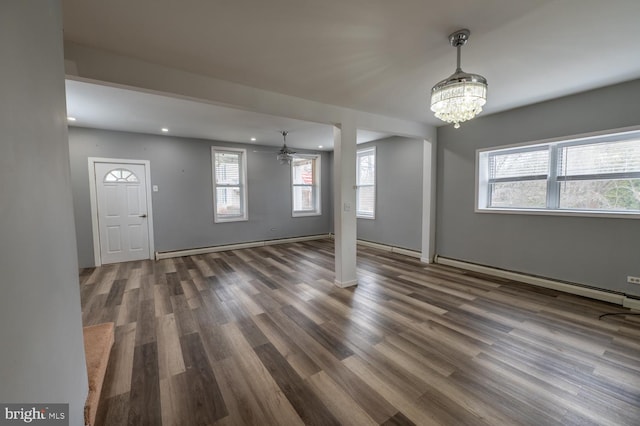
570,213
366,217
306,214
238,219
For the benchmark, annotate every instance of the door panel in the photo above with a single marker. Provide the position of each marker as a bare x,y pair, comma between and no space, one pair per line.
133,201
122,212
113,239
111,208
136,242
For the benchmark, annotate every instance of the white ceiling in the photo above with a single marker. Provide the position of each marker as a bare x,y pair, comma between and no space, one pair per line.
115,108
377,56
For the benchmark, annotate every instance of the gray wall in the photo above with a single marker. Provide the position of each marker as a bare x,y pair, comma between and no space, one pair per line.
598,252
183,206
398,220
42,356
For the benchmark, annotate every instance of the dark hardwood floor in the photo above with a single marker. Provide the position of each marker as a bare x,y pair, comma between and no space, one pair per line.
261,336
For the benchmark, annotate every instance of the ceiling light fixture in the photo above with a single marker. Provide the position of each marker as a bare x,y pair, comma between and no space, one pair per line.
164,130
253,139
71,119
285,155
459,97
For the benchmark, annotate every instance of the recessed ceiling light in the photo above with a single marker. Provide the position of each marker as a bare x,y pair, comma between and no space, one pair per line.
253,139
320,146
71,119
164,130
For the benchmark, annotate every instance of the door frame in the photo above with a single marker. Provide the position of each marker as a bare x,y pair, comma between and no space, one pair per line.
94,202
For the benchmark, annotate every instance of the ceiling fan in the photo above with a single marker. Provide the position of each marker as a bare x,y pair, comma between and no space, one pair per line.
285,155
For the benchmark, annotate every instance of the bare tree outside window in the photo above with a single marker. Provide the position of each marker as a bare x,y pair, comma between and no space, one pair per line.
588,174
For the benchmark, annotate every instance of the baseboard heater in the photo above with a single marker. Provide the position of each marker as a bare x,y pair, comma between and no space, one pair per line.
392,249
593,293
213,249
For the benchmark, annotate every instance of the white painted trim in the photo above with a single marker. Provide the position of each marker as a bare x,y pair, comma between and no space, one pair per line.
428,200
317,186
481,165
346,283
406,252
244,184
94,202
374,245
631,303
365,151
95,232
393,249
558,212
537,281
294,239
214,249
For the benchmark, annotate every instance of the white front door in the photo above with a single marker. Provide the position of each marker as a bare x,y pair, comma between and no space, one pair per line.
123,224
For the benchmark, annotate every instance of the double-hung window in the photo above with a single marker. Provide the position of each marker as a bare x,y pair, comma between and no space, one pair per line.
596,174
366,183
229,184
305,185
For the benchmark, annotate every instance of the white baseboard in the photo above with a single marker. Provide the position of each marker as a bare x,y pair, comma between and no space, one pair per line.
631,303
392,249
346,283
295,239
541,282
213,249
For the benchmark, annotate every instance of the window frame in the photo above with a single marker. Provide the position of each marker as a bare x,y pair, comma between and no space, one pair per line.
315,186
244,216
360,153
553,177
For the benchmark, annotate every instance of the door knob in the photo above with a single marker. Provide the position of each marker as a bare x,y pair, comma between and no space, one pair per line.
143,215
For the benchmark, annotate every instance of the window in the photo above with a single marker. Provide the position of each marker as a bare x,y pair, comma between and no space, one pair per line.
366,183
305,185
582,175
229,184
120,175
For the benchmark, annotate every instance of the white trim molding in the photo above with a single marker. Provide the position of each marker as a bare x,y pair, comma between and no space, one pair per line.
429,159
346,283
214,249
393,249
593,293
631,303
94,202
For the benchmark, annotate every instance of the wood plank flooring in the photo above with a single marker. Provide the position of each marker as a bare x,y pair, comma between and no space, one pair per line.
262,337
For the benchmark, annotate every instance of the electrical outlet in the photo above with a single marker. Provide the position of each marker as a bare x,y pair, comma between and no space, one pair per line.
633,280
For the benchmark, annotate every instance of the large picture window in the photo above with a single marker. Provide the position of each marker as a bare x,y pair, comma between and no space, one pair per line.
305,185
229,184
366,183
598,174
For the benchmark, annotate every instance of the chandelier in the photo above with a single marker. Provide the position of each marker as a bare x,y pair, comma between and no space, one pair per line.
459,97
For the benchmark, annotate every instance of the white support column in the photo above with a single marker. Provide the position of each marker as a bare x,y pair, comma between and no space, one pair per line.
344,181
428,201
